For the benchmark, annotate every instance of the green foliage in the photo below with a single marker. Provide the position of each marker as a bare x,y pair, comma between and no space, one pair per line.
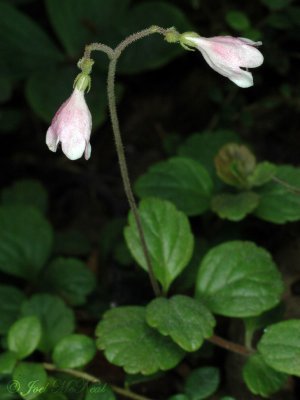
25,241
203,147
30,380
8,360
56,318
130,343
234,207
168,236
188,321
74,351
280,345
24,336
10,304
202,383
27,192
262,174
180,180
97,392
280,200
238,279
260,378
71,279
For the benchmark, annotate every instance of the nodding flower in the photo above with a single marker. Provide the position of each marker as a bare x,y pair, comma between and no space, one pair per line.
229,56
71,126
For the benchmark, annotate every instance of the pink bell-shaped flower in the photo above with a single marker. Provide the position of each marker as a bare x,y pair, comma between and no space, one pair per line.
71,126
229,56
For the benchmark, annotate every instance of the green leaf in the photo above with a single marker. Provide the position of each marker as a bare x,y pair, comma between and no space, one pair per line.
203,147
154,51
30,380
70,278
280,346
168,236
238,20
202,383
24,336
182,181
25,241
260,378
46,92
28,192
56,318
74,351
24,46
280,201
186,320
8,360
234,207
275,5
99,392
262,174
10,305
179,397
239,279
130,343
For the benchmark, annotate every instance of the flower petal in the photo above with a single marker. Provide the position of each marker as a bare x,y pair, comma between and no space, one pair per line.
51,139
243,79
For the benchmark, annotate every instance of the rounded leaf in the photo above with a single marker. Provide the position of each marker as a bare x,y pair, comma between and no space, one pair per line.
202,383
280,346
8,360
70,278
56,318
74,351
280,200
24,336
130,343
238,20
183,181
25,241
29,380
168,236
234,207
186,320
239,279
260,378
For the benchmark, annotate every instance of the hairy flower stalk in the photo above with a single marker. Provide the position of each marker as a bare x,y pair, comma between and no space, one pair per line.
71,125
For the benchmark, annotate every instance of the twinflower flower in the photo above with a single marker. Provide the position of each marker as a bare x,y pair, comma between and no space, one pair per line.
229,56
71,126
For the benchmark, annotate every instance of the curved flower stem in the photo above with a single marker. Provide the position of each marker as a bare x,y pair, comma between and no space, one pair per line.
124,170
114,56
92,379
